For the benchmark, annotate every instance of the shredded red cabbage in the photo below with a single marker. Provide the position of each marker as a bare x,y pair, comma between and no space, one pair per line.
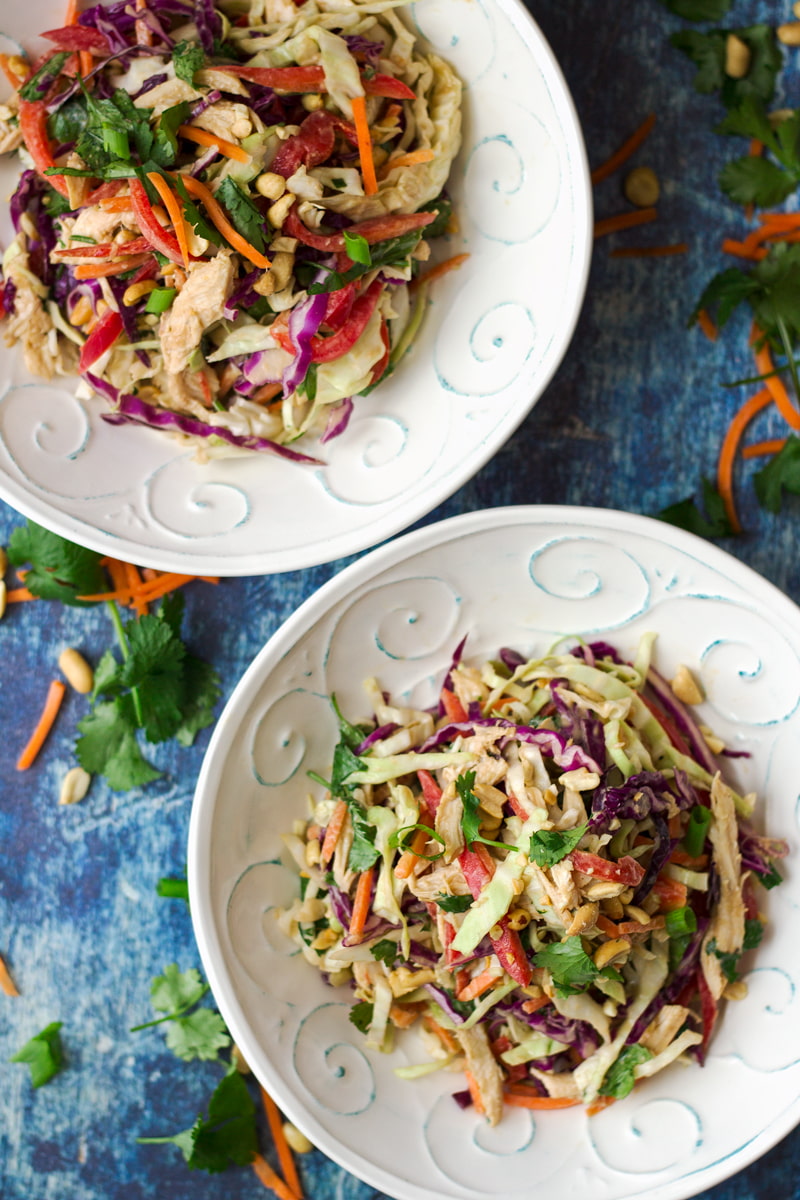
304,322
338,420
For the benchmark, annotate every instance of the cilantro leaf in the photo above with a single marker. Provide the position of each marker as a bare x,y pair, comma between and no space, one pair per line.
193,215
202,690
393,252
619,1078
726,291
548,846
245,217
453,903
36,87
188,58
227,1136
68,121
781,474
351,735
363,852
753,933
698,10
755,180
471,820
707,52
685,514
729,959
154,666
59,570
109,747
444,212
570,967
361,1015
201,1034
176,990
385,951
43,1053
164,149
772,878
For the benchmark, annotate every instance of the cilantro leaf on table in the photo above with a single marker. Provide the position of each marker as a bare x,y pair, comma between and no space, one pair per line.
59,570
360,1015
245,217
202,690
781,474
176,990
619,1078
201,1034
698,10
471,820
226,1136
570,967
154,666
108,746
755,180
188,58
548,846
453,904
43,1053
686,514
707,52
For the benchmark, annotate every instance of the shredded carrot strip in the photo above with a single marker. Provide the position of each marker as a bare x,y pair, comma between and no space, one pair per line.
281,1145
103,270
55,694
773,446
333,830
268,392
168,582
624,220
444,1035
785,220
477,986
215,211
409,858
474,1091
364,145
409,160
607,926
727,454
775,385
18,594
136,585
520,1099
361,902
271,1179
627,148
175,210
116,204
442,268
650,251
707,325
7,984
123,596
118,572
744,250
202,137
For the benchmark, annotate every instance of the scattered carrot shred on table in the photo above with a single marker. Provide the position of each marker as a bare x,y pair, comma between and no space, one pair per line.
55,695
650,251
621,156
727,454
707,325
758,449
282,1147
7,985
271,1179
624,220
18,594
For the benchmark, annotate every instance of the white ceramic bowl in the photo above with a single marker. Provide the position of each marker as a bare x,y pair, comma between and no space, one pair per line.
494,334
517,577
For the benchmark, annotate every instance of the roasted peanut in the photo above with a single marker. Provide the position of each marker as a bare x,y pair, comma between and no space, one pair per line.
737,57
297,1140
270,185
613,951
135,291
76,670
685,687
789,34
641,187
74,786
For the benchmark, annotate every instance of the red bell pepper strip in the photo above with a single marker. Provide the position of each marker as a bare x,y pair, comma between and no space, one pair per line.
159,238
376,229
430,789
478,871
627,870
383,362
671,894
312,79
33,126
103,250
453,708
340,304
312,145
78,37
104,334
330,348
105,191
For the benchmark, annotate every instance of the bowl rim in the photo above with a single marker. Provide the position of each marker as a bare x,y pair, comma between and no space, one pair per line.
44,510
315,608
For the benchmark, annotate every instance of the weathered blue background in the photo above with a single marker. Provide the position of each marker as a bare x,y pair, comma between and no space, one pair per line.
632,421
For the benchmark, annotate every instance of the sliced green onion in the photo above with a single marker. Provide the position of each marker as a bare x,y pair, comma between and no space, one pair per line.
399,840
680,922
115,141
357,248
695,837
160,299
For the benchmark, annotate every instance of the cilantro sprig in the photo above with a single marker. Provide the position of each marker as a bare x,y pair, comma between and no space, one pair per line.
43,1053
192,1032
687,514
227,1135
570,967
471,819
548,846
363,852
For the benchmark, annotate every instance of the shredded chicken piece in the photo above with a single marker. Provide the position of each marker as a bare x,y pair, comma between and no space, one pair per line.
199,305
227,119
663,1028
30,323
448,822
484,1069
727,926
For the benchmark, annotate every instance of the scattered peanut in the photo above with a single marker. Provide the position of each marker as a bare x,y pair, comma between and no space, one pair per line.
737,57
18,66
583,918
135,291
82,312
736,990
637,914
642,187
239,1060
277,212
789,34
3,598
271,185
3,561
297,1140
518,918
613,951
796,8
686,688
76,670
74,786
311,101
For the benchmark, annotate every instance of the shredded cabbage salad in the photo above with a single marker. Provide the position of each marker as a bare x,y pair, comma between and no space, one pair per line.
545,875
224,210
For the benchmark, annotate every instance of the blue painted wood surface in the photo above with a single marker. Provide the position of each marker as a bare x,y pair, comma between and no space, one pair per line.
631,421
